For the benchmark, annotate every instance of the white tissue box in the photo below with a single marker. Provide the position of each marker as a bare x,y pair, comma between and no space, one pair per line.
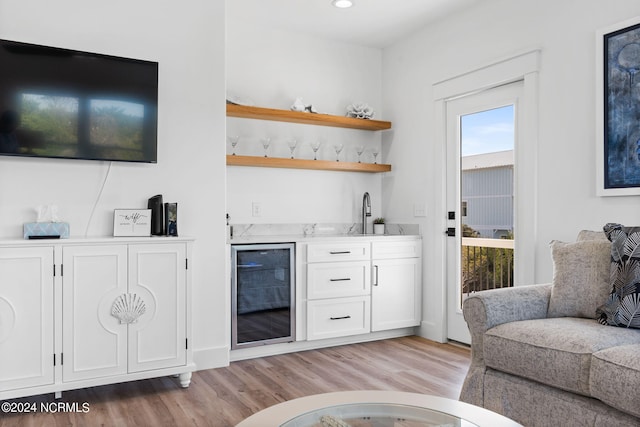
46,229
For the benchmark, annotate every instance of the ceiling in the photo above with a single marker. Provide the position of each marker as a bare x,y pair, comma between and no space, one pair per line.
372,23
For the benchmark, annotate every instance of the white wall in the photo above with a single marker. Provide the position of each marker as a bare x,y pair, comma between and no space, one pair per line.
564,180
271,68
187,39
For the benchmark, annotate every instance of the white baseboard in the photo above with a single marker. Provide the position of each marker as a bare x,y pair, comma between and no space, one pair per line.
210,358
218,357
274,349
432,331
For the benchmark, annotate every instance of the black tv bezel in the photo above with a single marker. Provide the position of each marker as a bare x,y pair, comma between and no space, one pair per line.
102,56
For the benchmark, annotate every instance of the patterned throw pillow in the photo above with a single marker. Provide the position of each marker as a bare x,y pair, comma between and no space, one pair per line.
623,305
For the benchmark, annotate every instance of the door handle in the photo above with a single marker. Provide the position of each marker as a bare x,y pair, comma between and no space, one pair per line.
450,232
375,282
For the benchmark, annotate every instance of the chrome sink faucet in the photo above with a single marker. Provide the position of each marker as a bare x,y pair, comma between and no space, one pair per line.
366,211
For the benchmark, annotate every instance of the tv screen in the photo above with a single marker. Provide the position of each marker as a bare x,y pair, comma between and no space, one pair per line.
69,104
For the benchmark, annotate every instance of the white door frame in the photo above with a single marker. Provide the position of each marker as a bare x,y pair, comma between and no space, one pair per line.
525,67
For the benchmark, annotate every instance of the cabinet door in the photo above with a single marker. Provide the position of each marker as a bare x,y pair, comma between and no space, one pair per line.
26,317
94,341
395,294
157,275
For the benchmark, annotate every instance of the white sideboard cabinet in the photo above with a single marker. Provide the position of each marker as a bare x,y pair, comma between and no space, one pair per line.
88,312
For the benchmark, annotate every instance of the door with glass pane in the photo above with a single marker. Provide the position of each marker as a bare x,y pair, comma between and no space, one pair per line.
481,143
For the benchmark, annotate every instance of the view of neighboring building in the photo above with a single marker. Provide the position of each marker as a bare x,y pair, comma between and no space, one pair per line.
487,193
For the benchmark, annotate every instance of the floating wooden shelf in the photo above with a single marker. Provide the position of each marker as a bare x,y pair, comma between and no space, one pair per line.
260,113
328,165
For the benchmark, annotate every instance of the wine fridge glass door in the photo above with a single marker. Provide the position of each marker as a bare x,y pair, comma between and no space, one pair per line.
263,294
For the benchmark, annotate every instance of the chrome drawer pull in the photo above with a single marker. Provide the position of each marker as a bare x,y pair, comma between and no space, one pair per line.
339,252
340,318
340,280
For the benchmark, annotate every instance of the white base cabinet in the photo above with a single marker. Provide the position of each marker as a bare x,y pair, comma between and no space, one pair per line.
361,287
123,313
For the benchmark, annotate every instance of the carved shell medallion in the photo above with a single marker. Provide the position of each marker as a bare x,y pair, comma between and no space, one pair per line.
127,308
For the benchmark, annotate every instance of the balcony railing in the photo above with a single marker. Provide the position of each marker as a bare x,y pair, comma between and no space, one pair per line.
486,264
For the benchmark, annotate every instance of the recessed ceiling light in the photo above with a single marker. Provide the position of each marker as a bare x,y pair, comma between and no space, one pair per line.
342,3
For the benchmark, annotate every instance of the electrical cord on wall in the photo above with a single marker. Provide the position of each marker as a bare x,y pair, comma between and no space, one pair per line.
95,204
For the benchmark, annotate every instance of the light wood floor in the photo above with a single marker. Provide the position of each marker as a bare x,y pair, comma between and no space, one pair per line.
225,396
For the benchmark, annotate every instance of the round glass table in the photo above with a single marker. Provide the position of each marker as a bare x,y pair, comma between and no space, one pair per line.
375,408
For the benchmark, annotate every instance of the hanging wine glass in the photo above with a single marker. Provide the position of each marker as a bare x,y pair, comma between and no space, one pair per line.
293,143
375,153
359,151
234,141
315,146
338,148
266,142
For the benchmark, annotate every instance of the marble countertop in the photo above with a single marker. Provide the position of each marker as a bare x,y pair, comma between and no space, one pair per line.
299,238
280,233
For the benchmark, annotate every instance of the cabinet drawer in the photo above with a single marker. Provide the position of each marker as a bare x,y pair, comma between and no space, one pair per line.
349,251
338,279
403,249
338,317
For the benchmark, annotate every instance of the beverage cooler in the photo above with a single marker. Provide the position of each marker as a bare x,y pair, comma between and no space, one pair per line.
263,294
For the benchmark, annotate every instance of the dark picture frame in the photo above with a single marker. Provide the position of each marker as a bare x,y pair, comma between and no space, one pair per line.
618,109
171,218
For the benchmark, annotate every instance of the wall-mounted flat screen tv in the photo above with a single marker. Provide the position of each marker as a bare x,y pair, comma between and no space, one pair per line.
65,103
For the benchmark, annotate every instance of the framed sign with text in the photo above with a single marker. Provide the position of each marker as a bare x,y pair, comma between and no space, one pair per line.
131,222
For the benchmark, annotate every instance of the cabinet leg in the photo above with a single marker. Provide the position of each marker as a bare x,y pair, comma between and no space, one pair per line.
185,379
58,395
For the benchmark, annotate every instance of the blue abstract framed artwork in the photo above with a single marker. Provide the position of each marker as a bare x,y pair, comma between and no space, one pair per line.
618,109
